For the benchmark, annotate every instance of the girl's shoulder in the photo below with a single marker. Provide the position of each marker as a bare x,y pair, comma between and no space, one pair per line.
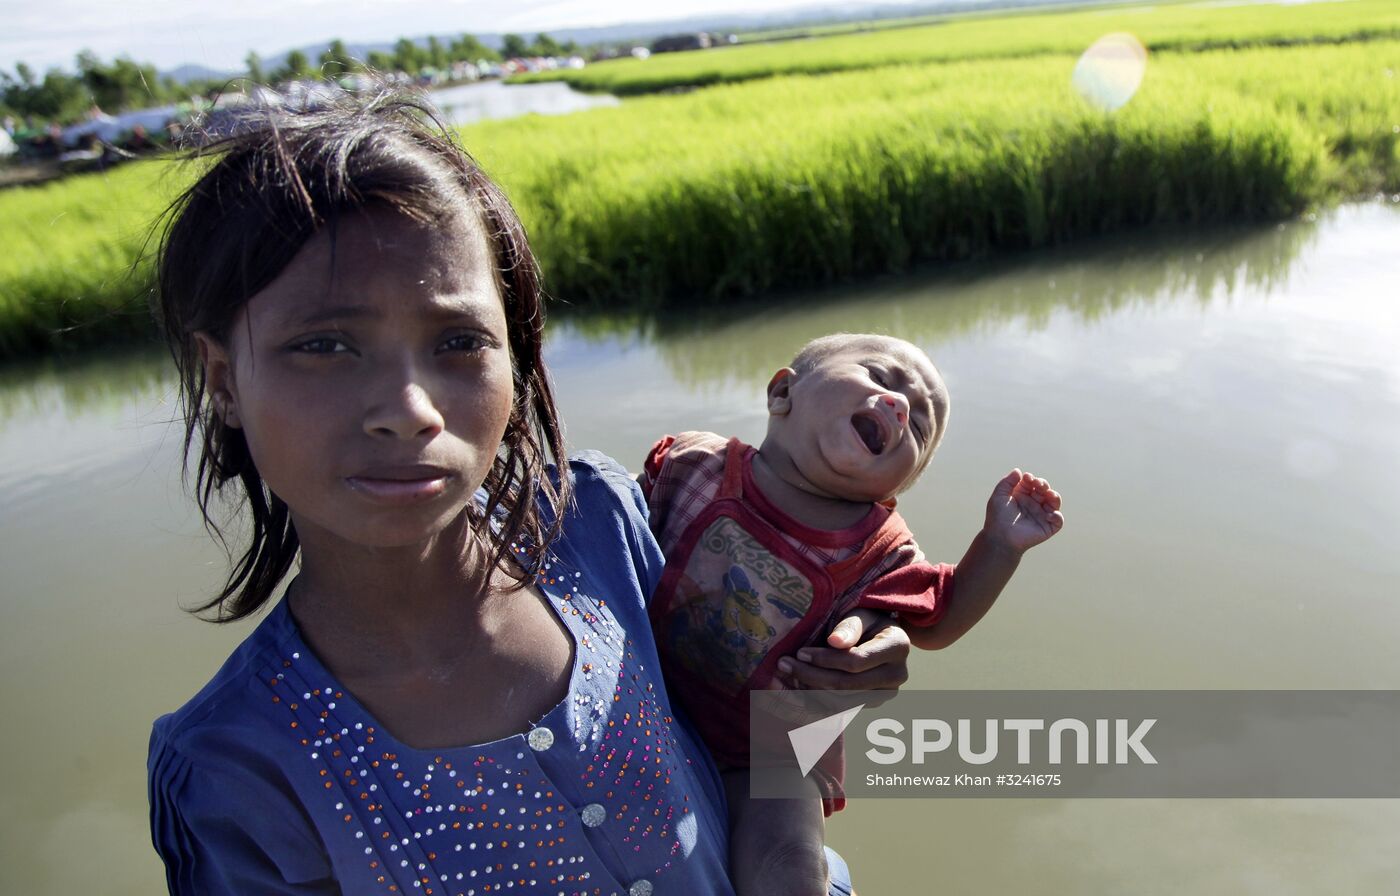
605,529
226,815
220,711
603,491
601,477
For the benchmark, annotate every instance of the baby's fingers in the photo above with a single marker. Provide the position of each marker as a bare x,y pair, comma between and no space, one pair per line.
1008,485
1042,492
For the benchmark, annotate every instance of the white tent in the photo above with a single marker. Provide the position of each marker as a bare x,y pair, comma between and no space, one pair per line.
109,128
7,144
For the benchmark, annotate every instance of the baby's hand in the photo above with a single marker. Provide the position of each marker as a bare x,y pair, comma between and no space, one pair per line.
1023,511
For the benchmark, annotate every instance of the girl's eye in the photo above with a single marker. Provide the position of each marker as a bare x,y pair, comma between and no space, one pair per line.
468,342
322,345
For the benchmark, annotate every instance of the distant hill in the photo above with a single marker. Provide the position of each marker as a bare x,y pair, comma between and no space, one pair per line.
187,73
645,32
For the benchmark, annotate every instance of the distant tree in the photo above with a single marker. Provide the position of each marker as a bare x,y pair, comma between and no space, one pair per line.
256,74
296,67
468,49
545,45
437,54
95,78
58,97
62,97
380,61
336,61
570,48
124,84
209,88
408,56
513,46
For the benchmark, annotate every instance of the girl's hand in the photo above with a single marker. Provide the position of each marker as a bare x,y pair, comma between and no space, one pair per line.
1023,511
869,652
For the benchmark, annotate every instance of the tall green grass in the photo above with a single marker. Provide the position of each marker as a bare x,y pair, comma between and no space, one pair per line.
69,272
1180,28
744,188
795,181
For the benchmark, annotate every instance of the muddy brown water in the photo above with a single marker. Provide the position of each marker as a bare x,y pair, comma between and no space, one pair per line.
1221,413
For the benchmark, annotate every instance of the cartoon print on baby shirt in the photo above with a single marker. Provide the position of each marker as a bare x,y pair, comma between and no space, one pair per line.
724,634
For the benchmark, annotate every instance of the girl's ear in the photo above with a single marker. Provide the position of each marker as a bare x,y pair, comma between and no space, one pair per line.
780,392
218,378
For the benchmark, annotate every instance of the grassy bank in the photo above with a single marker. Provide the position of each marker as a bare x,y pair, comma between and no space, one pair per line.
791,181
67,275
1177,28
799,180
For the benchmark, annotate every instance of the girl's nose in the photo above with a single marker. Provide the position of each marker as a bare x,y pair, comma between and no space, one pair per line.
900,405
405,413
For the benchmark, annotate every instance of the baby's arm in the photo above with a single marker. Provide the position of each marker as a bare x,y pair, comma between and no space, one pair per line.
776,846
1022,512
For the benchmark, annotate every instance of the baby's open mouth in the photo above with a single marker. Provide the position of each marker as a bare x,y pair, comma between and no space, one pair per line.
868,427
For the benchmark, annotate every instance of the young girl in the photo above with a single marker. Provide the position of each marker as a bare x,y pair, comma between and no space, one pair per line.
459,692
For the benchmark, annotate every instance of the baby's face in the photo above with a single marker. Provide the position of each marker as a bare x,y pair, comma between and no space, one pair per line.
862,424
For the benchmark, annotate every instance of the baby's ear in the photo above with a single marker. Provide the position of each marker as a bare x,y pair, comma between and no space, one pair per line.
779,392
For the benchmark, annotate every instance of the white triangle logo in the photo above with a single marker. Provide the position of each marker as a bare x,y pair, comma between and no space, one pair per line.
811,741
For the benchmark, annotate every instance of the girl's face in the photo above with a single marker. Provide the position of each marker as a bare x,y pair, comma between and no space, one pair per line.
372,379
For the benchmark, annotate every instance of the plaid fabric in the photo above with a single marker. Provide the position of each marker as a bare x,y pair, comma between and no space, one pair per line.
681,477
683,474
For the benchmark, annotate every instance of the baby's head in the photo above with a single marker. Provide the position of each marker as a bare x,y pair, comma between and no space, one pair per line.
353,307
859,415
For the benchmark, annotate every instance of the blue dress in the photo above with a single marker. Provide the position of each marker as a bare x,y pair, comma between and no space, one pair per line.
274,780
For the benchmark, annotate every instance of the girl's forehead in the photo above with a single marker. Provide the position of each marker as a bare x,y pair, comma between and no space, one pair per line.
382,258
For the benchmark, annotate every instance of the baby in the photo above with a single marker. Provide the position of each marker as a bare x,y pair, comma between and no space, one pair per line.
767,548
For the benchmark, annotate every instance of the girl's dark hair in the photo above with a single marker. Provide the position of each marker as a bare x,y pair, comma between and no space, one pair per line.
277,179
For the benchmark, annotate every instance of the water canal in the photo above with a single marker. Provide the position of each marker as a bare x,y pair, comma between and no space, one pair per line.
470,103
1221,412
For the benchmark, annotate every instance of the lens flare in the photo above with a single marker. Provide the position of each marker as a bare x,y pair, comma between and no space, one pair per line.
1110,71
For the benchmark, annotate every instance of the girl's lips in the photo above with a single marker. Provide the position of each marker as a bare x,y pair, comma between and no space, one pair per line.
399,491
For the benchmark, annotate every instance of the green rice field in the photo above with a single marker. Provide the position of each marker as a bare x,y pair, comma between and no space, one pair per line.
797,180
1191,27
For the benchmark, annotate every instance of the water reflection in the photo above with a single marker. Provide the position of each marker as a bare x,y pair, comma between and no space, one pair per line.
68,386
711,343
493,99
716,344
1221,412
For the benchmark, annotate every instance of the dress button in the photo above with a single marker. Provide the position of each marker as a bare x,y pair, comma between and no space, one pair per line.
639,888
593,815
540,739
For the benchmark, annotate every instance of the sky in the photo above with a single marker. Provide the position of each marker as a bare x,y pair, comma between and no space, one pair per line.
46,33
